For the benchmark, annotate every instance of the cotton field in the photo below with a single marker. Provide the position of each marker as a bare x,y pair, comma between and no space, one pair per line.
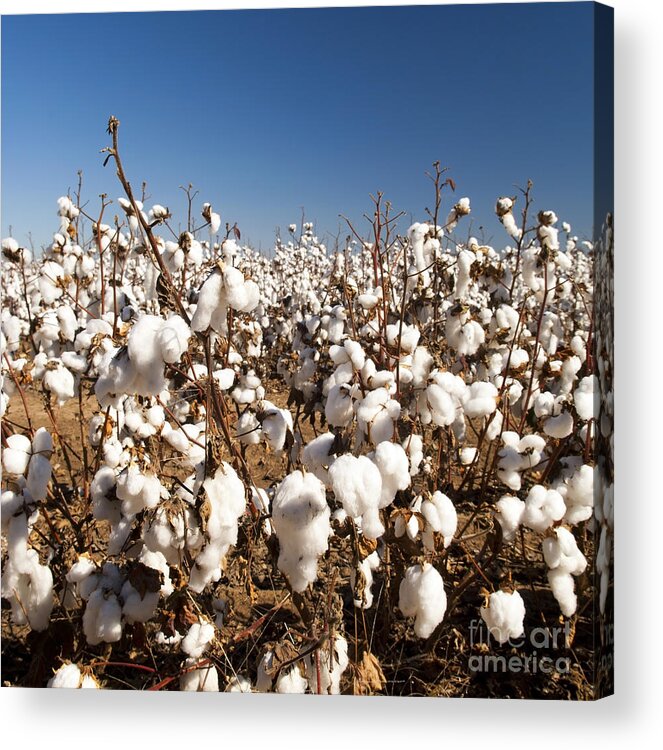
362,469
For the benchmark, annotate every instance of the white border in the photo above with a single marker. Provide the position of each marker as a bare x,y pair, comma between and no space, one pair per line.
116,719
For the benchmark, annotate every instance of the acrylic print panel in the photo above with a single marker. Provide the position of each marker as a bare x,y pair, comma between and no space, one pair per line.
307,352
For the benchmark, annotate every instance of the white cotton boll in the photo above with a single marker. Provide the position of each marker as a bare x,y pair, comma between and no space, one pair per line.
225,495
67,676
366,568
504,615
510,511
414,447
494,426
204,679
276,424
248,429
585,397
300,516
579,495
75,362
564,560
58,381
480,400
357,485
137,608
544,404
338,407
212,305
440,514
377,413
177,439
197,638
173,339
291,681
327,679
441,405
543,507
560,426
39,475
421,595
392,462
467,455
16,455
156,415
224,378
102,619
239,683
316,456
89,683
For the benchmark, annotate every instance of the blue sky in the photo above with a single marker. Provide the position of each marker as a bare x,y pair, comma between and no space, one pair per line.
266,112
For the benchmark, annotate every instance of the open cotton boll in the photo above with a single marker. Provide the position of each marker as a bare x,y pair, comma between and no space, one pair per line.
317,457
137,490
363,574
357,485
585,397
440,514
578,494
510,511
504,615
560,426
204,679
58,381
339,406
224,378
239,683
173,338
16,455
421,595
564,561
248,429
480,399
300,516
102,619
392,462
543,507
467,455
225,501
276,424
325,678
199,635
377,413
67,676
39,475
291,681
414,447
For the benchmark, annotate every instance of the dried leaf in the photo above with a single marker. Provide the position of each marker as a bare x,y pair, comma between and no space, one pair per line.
368,676
145,579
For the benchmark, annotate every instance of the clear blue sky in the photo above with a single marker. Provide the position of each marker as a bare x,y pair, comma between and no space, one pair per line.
268,111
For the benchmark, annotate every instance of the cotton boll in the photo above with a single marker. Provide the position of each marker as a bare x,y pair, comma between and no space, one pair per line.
276,424
392,462
102,619
291,681
16,455
422,596
480,400
225,501
325,678
338,408
510,511
560,426
467,455
317,457
585,397
441,517
248,429
239,683
578,493
357,485
300,516
376,414
363,594
543,507
39,475
197,638
67,676
173,338
504,615
414,447
204,679
564,560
